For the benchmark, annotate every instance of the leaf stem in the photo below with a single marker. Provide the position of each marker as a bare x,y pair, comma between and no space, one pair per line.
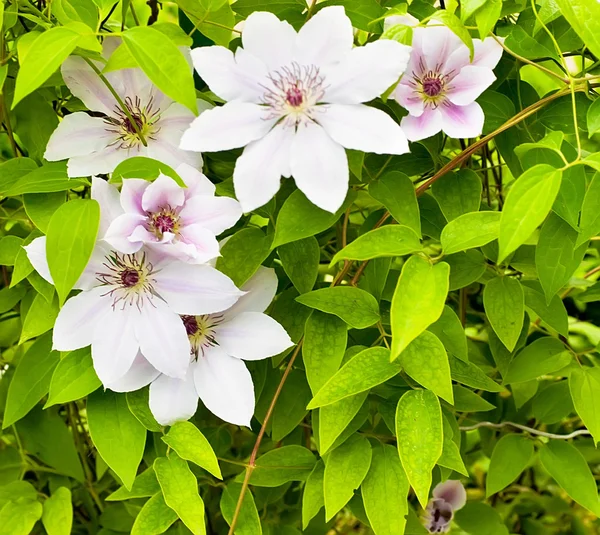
531,430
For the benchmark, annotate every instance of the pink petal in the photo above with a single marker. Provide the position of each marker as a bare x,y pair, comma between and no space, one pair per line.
204,245
132,191
120,231
469,84
197,183
462,121
213,213
452,492
487,52
163,193
426,125
109,200
438,43
408,97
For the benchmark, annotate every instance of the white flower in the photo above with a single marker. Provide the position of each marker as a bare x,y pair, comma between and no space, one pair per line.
217,374
95,145
448,497
130,304
294,103
171,220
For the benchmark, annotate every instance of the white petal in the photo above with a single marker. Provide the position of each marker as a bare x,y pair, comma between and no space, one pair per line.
252,336
452,492
269,39
77,319
320,167
109,200
227,127
114,344
99,163
36,253
161,193
166,149
195,289
487,52
196,245
258,171
409,98
197,183
367,72
87,86
469,84
438,43
326,38
224,385
163,339
138,376
121,230
173,400
78,134
132,192
462,121
363,128
214,213
261,289
425,125
96,264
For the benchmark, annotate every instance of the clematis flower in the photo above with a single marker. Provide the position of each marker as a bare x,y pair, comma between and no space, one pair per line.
171,220
294,102
219,345
130,305
97,144
448,497
441,84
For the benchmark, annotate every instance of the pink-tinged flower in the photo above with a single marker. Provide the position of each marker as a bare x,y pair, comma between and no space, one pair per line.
130,305
448,497
294,102
217,374
97,144
441,84
171,220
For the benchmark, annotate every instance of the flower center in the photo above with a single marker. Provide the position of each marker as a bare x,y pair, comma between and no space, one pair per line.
432,87
133,120
293,94
201,331
167,220
128,278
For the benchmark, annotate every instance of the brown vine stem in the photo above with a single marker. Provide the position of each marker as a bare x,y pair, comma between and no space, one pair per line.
252,461
531,430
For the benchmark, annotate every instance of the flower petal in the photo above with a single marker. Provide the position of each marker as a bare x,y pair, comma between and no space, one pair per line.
195,289
366,72
320,167
252,336
109,200
204,245
260,291
173,400
452,492
162,193
326,38
114,344
224,385
462,121
469,84
213,213
78,134
36,253
438,43
426,125
138,376
269,39
77,319
197,183
227,127
258,171
165,149
132,192
363,128
98,163
409,98
121,230
487,52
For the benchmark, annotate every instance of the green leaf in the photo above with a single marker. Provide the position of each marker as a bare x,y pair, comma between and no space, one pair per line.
45,55
278,466
511,455
418,300
391,240
248,519
487,17
41,207
465,268
479,517
73,378
356,307
18,518
154,518
116,433
243,253
369,368
570,470
190,444
553,403
385,492
313,498
470,230
469,7
299,218
457,27
290,410
397,193
584,17
49,178
143,167
584,384
467,401
10,246
526,206
556,256
426,361
31,380
451,458
290,10
544,355
553,314
9,297
70,241
420,438
145,486
163,63
360,12
451,332
469,374
180,490
590,212
335,418
215,24
504,304
300,261
345,468
138,402
57,515
593,118
458,193
325,338
40,318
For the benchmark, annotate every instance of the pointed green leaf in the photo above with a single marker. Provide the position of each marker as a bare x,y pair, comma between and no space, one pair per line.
458,193
57,515
335,418
504,304
278,466
544,355
511,455
300,261
470,230
248,520
451,333
584,384
154,518
313,498
584,17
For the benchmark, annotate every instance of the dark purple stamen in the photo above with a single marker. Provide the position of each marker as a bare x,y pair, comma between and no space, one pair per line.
129,277
190,324
432,87
164,223
294,96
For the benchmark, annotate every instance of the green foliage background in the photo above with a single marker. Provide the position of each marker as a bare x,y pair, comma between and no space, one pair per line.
472,263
